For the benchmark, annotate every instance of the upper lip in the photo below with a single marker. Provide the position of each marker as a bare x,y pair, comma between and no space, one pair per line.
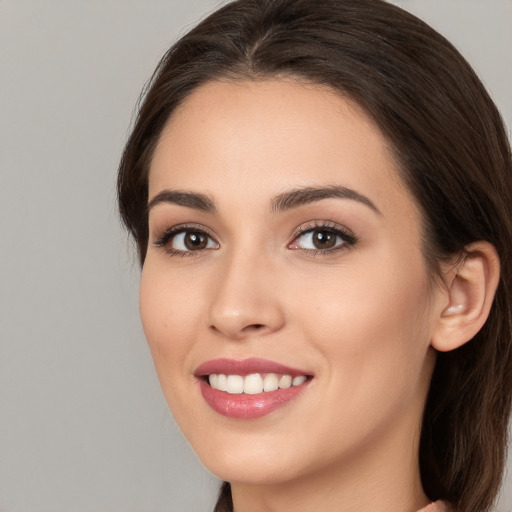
245,367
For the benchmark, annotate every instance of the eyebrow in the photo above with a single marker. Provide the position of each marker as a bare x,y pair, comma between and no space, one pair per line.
282,202
187,199
304,195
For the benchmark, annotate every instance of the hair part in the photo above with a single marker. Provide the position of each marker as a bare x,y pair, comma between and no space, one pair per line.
453,155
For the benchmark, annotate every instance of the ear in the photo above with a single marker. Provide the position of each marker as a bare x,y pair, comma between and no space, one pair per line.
467,299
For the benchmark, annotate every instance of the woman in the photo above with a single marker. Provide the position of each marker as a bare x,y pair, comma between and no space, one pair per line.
320,194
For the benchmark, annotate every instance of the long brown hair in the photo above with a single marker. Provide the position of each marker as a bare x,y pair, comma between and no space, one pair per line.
452,152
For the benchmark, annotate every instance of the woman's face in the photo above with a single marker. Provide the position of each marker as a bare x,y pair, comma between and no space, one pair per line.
283,247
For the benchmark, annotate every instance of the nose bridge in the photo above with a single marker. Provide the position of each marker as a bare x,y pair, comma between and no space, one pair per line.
243,301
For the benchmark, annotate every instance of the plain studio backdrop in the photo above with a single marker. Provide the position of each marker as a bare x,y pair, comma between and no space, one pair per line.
83,424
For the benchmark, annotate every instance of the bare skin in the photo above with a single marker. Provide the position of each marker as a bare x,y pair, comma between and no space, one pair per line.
357,314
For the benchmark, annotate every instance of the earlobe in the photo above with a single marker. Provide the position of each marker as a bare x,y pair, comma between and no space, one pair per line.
468,299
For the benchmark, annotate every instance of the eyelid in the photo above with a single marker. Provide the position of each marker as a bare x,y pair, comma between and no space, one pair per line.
346,234
166,235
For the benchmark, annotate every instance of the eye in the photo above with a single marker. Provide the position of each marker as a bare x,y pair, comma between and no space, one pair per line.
322,239
192,241
182,240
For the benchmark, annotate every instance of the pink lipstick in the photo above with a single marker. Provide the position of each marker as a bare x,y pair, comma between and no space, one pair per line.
249,388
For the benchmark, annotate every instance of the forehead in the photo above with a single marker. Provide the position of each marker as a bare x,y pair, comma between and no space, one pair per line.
267,136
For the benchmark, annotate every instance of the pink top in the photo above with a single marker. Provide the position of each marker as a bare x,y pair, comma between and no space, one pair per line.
438,506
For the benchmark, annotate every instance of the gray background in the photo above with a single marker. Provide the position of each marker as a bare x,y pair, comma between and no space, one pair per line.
83,425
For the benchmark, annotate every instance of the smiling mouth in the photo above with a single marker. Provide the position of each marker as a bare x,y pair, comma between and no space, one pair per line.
250,388
254,383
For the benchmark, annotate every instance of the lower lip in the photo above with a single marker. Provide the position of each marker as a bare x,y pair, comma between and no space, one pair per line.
247,407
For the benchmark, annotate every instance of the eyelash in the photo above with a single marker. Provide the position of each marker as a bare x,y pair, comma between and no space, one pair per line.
348,238
168,235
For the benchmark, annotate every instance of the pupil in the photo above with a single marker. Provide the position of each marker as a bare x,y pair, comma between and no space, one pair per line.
324,239
194,241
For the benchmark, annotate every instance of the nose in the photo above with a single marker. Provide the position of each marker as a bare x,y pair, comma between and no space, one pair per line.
245,299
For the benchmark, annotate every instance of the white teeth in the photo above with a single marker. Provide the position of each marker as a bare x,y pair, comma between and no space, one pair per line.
270,382
235,384
254,383
222,383
214,381
285,382
297,381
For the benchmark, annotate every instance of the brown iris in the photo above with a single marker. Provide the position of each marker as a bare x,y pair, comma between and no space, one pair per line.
195,241
323,239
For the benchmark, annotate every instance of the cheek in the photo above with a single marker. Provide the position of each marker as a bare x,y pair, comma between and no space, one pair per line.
169,313
373,325
375,335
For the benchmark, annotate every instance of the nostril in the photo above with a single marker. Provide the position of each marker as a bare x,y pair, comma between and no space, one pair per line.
245,330
254,327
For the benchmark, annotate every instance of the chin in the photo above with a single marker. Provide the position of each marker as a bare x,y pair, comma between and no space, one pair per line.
250,471
248,459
